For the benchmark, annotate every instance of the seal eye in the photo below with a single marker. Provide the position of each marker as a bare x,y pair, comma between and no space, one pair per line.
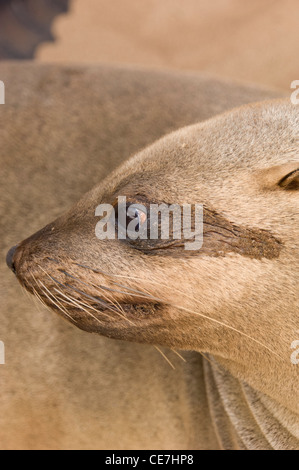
136,218
132,219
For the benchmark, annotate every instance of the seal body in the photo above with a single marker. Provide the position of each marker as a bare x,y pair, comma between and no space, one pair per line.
65,250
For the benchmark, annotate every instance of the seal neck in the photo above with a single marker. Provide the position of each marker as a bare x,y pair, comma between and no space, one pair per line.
244,418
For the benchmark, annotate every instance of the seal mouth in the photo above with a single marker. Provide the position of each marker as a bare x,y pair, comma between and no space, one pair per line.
90,300
127,309
96,317
85,308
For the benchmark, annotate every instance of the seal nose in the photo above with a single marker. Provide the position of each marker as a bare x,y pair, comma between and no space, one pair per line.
10,259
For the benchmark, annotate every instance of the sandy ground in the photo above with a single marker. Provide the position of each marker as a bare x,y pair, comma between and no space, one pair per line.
256,41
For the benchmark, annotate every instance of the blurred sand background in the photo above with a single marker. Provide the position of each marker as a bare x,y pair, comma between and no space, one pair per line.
255,41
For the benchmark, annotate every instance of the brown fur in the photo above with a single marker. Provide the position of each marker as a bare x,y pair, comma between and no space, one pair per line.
253,302
193,172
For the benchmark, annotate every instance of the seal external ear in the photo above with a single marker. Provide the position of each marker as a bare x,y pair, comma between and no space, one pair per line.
290,181
285,176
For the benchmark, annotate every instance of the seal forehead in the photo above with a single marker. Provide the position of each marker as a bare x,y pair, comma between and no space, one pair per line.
247,139
250,137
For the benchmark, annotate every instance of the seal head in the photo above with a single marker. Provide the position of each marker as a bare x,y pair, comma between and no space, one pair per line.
237,297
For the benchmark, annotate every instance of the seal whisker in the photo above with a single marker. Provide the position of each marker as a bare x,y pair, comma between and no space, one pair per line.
59,306
200,352
96,300
165,357
105,273
178,354
191,311
55,301
73,303
36,294
116,304
25,292
117,291
56,305
78,303
135,293
37,298
66,286
43,302
175,306
38,301
194,312
144,293
229,327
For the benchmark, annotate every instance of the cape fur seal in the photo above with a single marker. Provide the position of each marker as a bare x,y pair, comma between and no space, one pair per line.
237,337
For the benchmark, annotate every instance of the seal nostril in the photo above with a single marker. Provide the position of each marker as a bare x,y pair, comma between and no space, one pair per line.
10,259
